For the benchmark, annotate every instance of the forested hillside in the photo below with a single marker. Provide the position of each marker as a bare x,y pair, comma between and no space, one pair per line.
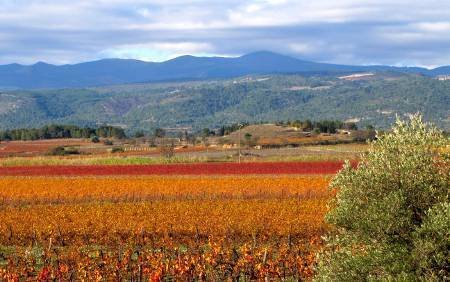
373,100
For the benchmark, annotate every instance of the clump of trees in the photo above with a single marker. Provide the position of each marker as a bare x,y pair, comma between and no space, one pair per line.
322,126
391,215
61,131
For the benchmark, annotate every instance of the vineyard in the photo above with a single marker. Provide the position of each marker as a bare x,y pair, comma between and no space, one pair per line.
159,222
177,169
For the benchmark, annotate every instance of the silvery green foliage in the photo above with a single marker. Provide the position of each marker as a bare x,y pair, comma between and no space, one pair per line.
390,217
431,251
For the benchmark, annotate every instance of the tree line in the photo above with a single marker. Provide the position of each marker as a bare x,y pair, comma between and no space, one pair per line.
323,126
61,131
72,131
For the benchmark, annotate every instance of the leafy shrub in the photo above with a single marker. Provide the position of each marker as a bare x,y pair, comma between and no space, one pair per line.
391,214
117,150
432,243
63,151
57,151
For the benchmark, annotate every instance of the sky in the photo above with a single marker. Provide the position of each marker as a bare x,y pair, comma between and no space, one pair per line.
358,32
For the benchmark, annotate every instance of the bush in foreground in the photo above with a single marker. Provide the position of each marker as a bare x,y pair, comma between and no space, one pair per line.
391,215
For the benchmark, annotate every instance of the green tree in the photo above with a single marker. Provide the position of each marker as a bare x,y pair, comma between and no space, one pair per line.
95,139
249,140
139,134
206,132
221,131
390,217
159,133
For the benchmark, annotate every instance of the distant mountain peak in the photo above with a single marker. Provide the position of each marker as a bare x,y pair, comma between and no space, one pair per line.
182,58
41,64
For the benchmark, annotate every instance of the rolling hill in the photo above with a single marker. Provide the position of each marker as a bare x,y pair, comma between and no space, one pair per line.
373,99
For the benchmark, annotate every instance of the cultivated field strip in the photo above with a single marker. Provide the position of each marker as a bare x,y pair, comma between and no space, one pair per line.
108,224
178,169
25,190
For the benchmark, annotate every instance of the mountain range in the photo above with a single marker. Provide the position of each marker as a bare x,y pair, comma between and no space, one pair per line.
124,71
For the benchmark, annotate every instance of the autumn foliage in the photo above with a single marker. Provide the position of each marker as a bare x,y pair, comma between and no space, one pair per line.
150,228
178,169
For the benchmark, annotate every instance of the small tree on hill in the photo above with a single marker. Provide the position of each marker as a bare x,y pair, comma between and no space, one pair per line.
95,139
391,215
248,139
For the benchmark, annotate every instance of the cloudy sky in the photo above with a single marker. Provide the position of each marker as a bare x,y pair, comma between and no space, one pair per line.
394,32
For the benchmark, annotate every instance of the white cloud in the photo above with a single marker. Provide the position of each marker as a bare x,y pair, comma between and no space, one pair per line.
343,31
158,51
435,27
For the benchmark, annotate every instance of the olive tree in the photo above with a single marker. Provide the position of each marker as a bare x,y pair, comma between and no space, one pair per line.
390,218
